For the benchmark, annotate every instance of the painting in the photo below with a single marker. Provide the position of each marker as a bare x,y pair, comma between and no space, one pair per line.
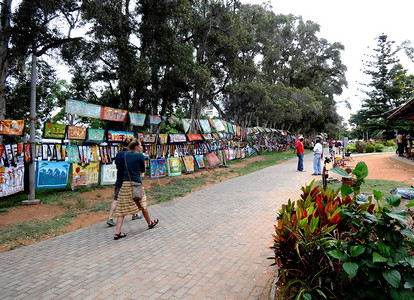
12,127
85,176
205,125
188,164
76,133
199,158
119,136
147,138
83,109
73,154
137,119
11,179
108,174
212,159
52,174
113,114
54,131
174,166
95,135
177,138
158,168
194,137
163,138
154,120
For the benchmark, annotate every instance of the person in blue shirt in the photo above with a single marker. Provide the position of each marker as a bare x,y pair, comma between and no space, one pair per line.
134,166
120,165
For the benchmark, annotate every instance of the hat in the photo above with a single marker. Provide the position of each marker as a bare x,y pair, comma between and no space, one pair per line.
301,137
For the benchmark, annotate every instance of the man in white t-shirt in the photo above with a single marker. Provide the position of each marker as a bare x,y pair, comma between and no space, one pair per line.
317,150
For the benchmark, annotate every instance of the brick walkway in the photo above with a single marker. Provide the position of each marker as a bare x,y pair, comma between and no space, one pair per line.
211,244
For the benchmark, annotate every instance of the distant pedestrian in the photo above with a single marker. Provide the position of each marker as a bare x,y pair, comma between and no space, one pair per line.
120,165
400,144
300,152
317,157
135,165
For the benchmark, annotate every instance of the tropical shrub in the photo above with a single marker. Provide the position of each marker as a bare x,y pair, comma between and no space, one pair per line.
378,147
390,143
351,148
337,247
369,148
360,146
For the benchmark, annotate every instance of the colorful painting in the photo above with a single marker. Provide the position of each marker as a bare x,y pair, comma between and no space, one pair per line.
158,168
54,131
11,179
52,174
188,164
194,137
76,133
163,138
137,119
119,136
147,138
113,114
199,158
208,136
186,124
218,124
177,138
73,154
212,159
154,120
174,166
83,109
95,135
108,174
205,125
12,127
85,176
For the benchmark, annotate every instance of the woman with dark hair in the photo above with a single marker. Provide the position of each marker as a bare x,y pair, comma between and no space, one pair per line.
134,166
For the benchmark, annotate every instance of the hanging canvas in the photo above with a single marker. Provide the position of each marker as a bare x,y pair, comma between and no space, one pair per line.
137,119
119,136
174,166
54,131
212,159
154,120
205,125
177,138
1,152
186,124
208,136
84,109
230,128
173,120
218,124
9,154
76,133
52,174
222,157
243,153
11,179
113,114
158,168
238,154
12,127
58,149
199,158
73,154
162,138
95,135
147,138
85,176
194,137
188,164
108,174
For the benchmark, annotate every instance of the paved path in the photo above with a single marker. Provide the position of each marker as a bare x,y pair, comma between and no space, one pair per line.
211,244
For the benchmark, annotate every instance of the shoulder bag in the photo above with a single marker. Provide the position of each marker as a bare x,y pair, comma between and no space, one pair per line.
137,190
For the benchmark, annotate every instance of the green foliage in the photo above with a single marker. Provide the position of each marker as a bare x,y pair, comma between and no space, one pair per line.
351,148
369,148
390,143
378,147
360,146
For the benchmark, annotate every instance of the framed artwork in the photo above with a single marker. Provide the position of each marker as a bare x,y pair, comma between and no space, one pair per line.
147,138
12,127
154,120
52,174
113,114
73,154
177,138
205,125
163,138
194,137
118,136
108,174
83,109
174,166
199,158
137,119
212,159
76,133
95,135
85,176
188,164
158,168
11,179
54,131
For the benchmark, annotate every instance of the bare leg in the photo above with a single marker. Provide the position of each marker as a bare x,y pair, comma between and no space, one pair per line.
146,214
112,209
119,222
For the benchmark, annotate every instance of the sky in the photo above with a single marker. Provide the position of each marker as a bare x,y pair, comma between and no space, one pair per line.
355,24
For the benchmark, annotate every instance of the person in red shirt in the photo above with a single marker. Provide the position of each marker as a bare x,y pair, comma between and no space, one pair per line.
300,153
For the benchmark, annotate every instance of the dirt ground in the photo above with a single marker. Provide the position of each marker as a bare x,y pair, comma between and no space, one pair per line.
379,166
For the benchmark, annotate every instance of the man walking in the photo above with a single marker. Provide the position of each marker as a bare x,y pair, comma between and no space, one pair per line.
317,150
300,153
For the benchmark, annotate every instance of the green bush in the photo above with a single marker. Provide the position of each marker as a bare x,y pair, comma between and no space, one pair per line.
378,147
390,143
360,146
369,148
351,148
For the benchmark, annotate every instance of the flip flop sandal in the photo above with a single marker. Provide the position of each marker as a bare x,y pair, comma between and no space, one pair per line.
153,223
119,236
